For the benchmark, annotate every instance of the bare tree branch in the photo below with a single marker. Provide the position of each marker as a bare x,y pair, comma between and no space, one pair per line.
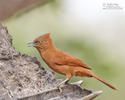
9,7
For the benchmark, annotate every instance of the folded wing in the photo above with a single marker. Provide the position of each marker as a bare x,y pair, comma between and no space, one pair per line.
66,59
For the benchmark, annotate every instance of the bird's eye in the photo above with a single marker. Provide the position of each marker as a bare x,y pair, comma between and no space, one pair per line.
40,41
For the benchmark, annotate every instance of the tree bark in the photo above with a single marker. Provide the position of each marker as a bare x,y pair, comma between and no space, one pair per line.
23,78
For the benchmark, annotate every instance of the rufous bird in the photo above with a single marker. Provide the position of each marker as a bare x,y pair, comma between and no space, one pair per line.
62,62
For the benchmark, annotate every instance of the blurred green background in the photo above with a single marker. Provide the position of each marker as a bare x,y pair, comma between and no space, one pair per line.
82,29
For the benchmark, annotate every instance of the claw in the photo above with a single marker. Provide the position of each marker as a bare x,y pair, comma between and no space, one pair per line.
58,86
60,90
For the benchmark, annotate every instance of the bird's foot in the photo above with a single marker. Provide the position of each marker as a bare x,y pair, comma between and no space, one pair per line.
58,86
66,83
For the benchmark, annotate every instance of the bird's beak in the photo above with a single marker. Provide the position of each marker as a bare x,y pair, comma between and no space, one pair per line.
32,44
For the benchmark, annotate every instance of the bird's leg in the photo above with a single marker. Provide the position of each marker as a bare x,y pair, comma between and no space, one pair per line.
66,82
63,82
68,75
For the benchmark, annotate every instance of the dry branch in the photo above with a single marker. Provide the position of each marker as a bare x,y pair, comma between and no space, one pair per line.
10,7
23,78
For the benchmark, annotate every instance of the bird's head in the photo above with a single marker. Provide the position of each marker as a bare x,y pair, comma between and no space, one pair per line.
42,42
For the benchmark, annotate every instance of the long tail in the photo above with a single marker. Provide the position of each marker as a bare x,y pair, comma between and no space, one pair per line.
103,81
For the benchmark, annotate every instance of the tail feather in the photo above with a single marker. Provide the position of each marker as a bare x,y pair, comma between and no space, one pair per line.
103,81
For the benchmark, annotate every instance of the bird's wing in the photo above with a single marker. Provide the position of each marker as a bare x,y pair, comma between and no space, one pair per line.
65,59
